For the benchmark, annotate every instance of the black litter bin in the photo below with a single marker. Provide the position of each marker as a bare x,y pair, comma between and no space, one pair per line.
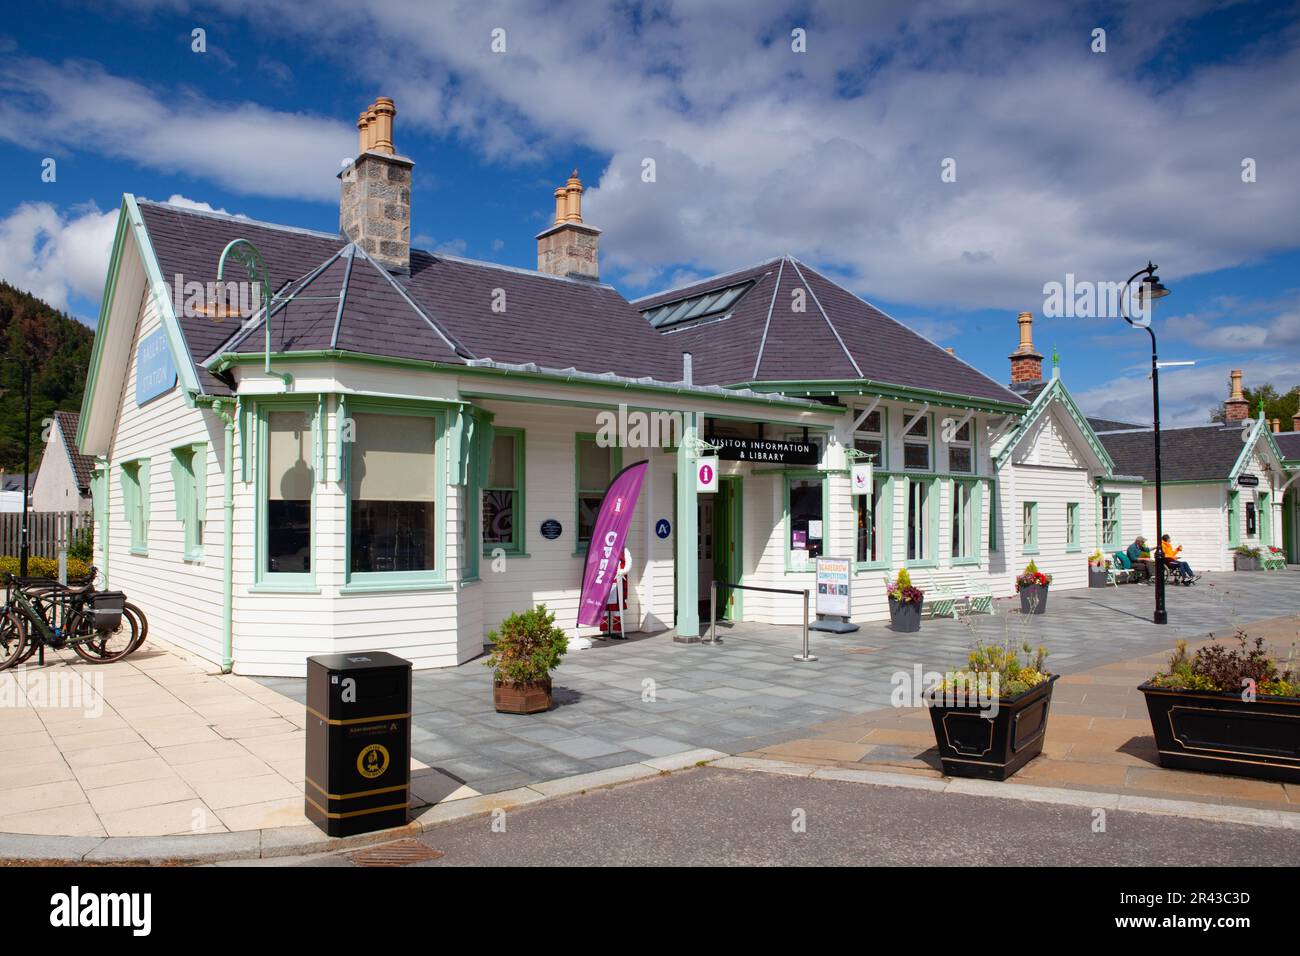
358,742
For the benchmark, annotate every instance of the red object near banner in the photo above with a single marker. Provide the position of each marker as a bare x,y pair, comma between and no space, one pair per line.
605,549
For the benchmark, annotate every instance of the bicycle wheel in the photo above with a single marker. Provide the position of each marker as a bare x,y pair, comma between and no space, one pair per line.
141,621
13,639
104,647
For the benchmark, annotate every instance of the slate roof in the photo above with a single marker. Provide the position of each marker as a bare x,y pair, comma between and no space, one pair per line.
1100,425
1199,453
837,336
443,311
82,465
1289,443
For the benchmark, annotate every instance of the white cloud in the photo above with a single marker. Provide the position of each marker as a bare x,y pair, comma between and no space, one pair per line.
1067,161
1187,395
56,255
243,146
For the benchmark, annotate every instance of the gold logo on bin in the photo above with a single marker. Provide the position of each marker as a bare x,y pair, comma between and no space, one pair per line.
372,761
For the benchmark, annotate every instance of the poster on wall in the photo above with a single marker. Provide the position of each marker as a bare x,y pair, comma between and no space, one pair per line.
833,576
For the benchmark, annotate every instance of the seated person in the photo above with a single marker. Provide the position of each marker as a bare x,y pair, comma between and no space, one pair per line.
1140,557
1181,568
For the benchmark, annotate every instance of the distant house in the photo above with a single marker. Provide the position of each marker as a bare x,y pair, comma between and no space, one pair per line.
11,491
62,482
1223,484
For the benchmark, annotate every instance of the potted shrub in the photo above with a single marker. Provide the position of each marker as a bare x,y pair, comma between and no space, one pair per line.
1098,566
1245,558
990,718
1227,710
1032,587
905,603
527,647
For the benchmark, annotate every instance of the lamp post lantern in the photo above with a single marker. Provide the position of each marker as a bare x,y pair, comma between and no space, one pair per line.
1150,291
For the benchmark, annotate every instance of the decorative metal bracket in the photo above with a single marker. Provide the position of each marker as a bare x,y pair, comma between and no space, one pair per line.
243,253
698,446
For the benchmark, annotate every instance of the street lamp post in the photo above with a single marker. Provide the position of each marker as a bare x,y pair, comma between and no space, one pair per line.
1149,292
23,549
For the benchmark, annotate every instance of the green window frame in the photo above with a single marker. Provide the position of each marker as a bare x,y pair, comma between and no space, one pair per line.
423,578
1029,527
582,442
875,520
1112,526
964,444
965,533
189,484
793,521
874,441
921,522
1072,526
134,476
515,488
263,578
993,515
911,439
1234,519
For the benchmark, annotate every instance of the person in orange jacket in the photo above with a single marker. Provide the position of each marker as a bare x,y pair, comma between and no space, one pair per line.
1181,568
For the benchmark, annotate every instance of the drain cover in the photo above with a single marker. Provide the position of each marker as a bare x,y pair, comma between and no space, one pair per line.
399,853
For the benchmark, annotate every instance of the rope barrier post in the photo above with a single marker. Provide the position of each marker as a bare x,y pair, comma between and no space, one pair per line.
805,656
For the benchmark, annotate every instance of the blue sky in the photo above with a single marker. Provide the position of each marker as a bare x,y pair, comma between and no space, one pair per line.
1067,160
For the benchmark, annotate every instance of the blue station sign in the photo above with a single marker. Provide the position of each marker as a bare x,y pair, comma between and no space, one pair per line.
155,372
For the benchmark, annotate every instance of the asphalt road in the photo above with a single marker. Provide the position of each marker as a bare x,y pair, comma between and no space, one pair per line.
714,817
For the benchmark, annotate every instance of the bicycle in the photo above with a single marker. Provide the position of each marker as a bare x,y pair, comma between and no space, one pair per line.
41,613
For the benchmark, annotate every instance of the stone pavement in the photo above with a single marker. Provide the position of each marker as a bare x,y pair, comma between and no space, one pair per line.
1098,739
159,744
619,703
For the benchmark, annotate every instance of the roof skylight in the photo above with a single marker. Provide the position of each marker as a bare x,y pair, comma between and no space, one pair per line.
706,305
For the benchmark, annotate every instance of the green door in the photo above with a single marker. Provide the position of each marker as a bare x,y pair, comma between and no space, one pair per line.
727,544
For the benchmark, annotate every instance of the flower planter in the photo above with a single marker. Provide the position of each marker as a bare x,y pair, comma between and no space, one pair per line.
1241,562
1096,577
533,697
1033,599
904,616
992,748
1218,732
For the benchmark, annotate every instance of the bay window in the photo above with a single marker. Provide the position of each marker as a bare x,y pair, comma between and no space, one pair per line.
393,498
287,487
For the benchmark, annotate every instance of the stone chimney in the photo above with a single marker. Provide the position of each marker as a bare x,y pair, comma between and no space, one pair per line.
375,206
1026,364
1236,408
1295,422
568,247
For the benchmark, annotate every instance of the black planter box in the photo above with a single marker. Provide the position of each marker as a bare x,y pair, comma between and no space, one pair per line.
1027,594
1241,562
973,745
1218,732
1096,577
904,616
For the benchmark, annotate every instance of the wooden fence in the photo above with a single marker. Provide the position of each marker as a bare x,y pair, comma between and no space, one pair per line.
46,530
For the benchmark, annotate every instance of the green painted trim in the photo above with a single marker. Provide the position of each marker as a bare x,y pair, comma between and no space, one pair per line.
1118,507
288,581
228,417
806,475
1118,480
930,469
932,503
885,528
1055,389
615,466
101,326
189,379
137,490
1030,546
1234,519
515,548
189,480
366,588
975,502
993,516
1261,430
870,388
1073,541
223,361
357,581
685,542
1263,502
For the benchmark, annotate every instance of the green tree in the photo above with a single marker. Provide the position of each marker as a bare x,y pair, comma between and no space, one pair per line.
57,347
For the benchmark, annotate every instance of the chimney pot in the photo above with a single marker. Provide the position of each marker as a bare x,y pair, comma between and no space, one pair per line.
569,247
375,201
1236,408
1026,364
1276,425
